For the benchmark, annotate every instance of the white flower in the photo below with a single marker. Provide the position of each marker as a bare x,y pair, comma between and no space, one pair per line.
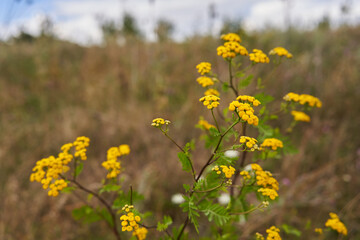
224,198
231,153
248,168
177,198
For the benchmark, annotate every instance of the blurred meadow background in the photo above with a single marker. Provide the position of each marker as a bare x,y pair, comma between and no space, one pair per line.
57,83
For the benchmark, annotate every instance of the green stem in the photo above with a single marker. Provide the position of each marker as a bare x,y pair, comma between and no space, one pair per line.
217,125
231,79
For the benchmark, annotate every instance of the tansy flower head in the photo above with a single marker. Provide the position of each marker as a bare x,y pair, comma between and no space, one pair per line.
272,143
212,91
204,67
210,101
47,171
228,170
158,122
231,50
129,221
257,56
249,143
245,174
245,112
273,233
111,164
205,124
303,99
140,233
269,185
205,81
259,236
300,116
231,37
280,51
249,99
335,224
319,230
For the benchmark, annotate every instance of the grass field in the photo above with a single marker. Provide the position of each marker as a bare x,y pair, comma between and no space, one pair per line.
53,91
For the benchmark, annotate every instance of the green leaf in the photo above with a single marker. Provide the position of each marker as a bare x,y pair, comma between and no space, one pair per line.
68,189
190,207
215,212
107,216
186,187
245,82
79,168
86,214
263,98
225,87
239,74
110,188
259,84
291,230
214,132
185,161
167,221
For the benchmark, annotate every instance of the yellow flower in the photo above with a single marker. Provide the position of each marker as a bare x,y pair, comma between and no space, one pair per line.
140,233
231,50
303,99
210,101
245,175
158,122
259,236
231,37
245,112
212,91
273,143
273,233
250,99
335,224
229,171
249,143
47,171
129,221
319,230
205,124
269,185
204,67
111,164
300,116
258,56
280,51
205,81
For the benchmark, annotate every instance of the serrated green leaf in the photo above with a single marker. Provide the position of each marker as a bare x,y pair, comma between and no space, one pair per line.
215,212
190,207
162,226
86,214
291,230
185,161
186,187
68,189
79,168
110,188
245,82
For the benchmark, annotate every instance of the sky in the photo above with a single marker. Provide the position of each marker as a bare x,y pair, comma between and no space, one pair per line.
78,20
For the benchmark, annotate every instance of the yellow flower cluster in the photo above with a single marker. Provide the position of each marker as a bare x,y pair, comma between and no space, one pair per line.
140,233
319,230
335,223
205,124
205,81
250,99
265,179
203,68
300,116
111,164
231,37
231,47
303,99
249,142
229,171
210,101
57,186
280,51
273,233
212,91
245,174
129,222
81,143
47,170
158,122
245,111
259,236
231,50
258,56
273,143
